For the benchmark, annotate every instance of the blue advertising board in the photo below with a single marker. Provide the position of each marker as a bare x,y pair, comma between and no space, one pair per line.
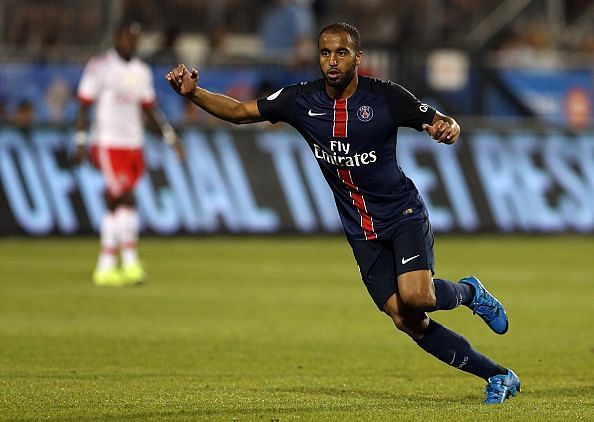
264,180
561,97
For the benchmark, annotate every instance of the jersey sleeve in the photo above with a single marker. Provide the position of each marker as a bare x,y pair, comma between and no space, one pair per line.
408,110
278,107
90,82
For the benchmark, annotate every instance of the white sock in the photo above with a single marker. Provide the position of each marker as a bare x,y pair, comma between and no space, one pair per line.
128,226
109,242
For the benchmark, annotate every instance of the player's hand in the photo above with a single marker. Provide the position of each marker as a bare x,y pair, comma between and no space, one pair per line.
442,131
80,154
182,80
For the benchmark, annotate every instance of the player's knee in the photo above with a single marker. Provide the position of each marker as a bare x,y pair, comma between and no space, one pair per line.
399,321
409,326
390,308
111,203
419,299
416,290
127,199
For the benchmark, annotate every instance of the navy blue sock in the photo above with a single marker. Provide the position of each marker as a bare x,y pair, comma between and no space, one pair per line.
450,295
453,349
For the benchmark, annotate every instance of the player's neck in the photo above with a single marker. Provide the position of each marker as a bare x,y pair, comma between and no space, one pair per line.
123,56
342,93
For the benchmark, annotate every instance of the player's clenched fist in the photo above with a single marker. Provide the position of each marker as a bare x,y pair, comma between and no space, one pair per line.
182,80
443,131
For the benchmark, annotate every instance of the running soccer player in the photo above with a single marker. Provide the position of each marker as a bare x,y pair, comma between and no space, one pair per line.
121,87
351,123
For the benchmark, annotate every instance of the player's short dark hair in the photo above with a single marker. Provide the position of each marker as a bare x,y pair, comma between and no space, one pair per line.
351,30
131,26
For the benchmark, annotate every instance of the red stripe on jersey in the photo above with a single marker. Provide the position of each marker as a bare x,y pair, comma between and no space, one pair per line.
359,203
339,130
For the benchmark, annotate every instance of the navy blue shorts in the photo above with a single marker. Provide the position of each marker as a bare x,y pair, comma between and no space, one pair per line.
382,260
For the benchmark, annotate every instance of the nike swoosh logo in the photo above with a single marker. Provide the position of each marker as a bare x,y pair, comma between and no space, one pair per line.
404,261
312,114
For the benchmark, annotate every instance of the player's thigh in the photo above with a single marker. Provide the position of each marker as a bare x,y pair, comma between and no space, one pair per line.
414,262
132,166
106,161
137,166
121,169
413,243
376,265
129,166
416,289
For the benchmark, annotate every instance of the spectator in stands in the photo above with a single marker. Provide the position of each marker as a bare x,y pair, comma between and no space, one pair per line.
529,45
2,108
24,115
145,12
46,30
586,45
59,100
218,47
285,30
167,53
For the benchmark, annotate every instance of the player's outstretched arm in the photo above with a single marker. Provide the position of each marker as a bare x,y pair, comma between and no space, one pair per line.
443,129
184,82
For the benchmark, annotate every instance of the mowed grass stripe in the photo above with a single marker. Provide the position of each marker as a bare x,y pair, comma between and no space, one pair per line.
282,328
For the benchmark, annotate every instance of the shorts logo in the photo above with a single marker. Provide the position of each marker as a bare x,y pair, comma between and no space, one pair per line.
424,107
407,260
365,113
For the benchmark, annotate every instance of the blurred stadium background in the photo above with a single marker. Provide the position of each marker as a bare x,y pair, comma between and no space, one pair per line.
517,74
242,326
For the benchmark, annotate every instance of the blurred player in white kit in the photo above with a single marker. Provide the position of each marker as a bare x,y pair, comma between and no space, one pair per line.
120,86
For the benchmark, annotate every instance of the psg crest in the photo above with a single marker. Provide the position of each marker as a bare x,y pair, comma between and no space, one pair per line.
365,113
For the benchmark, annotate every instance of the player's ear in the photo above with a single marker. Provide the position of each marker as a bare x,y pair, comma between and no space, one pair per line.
358,57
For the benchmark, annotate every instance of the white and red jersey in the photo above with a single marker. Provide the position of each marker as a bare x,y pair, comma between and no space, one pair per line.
119,89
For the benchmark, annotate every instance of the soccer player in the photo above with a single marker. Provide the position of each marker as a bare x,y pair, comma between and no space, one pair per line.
121,87
351,123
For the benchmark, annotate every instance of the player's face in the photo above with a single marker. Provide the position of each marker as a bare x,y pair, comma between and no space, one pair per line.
338,59
125,43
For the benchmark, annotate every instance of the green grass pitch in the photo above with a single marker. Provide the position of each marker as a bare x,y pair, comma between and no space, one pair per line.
283,329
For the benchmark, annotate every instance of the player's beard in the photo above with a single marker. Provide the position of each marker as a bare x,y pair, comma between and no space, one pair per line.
344,80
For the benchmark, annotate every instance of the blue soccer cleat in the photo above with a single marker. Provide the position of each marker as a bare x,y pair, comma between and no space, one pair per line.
500,387
486,306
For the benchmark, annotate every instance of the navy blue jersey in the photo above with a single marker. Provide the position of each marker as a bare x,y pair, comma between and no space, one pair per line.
354,142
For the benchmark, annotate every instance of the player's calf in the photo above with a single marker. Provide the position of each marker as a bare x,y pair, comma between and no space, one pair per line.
449,295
